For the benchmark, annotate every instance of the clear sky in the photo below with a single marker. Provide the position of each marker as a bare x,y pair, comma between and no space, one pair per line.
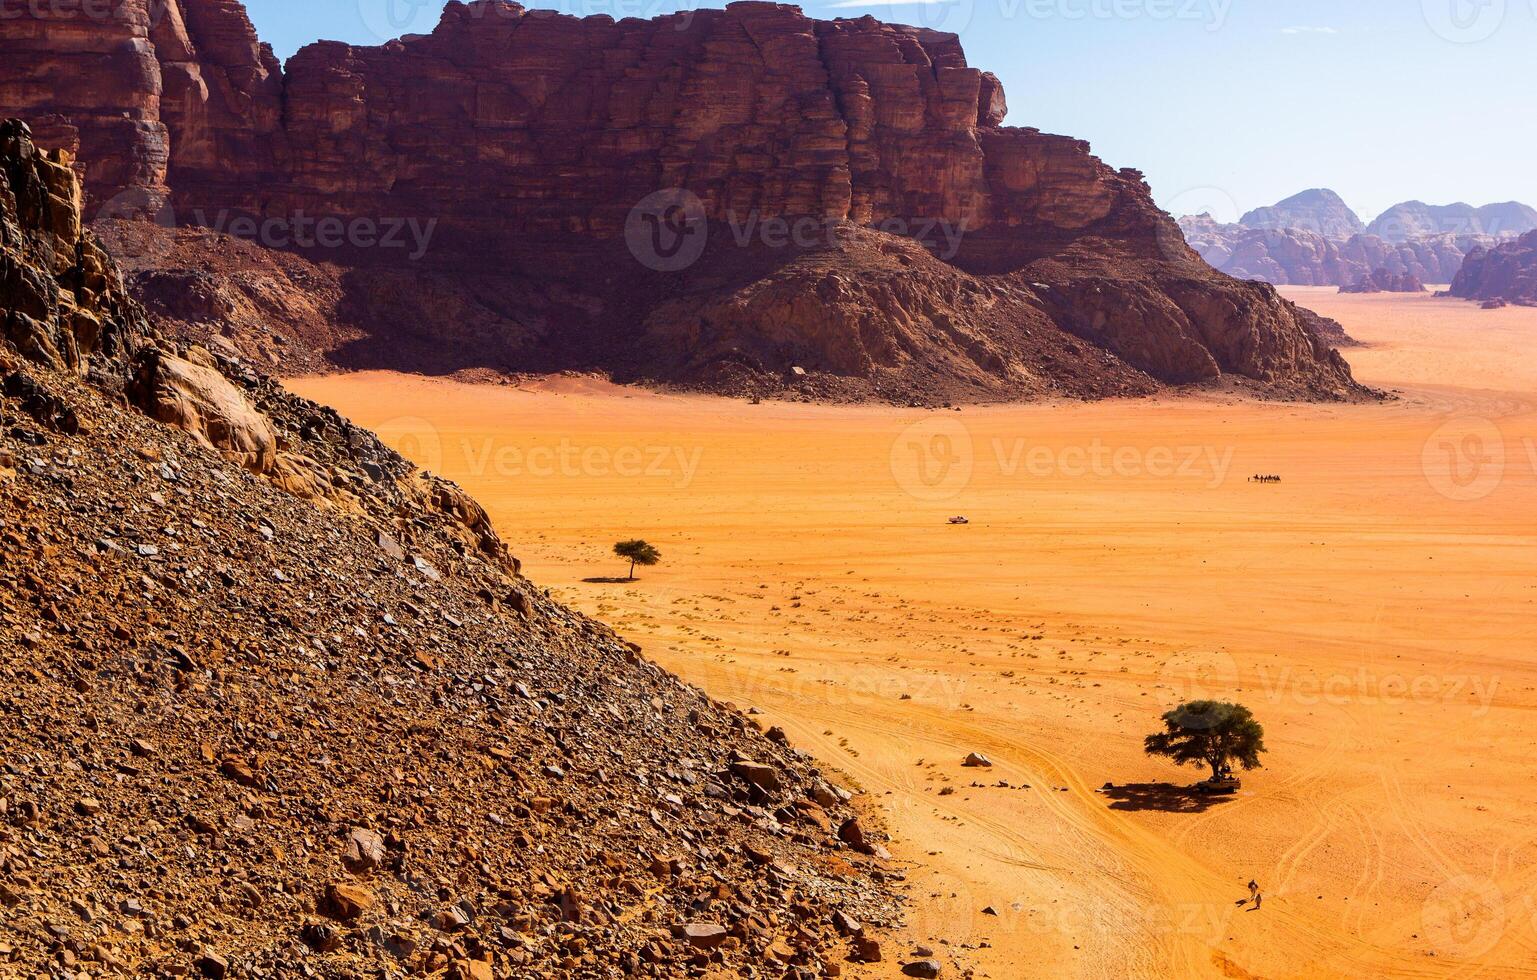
1225,104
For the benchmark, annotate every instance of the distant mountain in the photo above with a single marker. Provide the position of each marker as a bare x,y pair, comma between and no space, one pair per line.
1319,211
1315,239
1416,219
1304,258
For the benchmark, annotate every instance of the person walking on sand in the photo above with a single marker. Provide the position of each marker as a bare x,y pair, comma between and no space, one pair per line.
1253,888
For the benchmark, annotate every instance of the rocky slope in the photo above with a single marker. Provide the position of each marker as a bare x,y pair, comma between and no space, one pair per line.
1500,275
277,704
778,144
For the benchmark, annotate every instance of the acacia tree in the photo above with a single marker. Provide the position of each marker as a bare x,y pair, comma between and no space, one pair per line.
1217,733
639,553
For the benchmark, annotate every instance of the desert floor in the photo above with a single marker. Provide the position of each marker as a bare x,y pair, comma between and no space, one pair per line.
1377,610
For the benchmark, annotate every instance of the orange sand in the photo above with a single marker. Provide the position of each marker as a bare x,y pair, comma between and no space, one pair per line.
1375,609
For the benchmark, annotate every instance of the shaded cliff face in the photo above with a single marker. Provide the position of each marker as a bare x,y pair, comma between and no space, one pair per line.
1504,274
573,164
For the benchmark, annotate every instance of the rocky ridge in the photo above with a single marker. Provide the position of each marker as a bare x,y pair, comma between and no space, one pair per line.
279,704
1314,239
543,139
1506,274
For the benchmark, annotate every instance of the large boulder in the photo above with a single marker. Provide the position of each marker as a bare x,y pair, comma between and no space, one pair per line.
199,400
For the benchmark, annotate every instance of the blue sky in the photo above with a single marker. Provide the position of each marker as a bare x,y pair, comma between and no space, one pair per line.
1225,104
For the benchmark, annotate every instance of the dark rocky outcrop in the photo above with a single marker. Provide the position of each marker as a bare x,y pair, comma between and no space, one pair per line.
1383,281
1506,274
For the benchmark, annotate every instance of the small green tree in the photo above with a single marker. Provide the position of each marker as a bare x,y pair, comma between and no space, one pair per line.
1217,733
639,553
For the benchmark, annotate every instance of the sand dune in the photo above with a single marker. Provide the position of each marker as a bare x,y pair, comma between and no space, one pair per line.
1377,609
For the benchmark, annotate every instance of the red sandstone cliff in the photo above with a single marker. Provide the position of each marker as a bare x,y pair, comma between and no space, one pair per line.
525,141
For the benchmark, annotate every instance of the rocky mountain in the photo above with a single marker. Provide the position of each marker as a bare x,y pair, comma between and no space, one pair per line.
1501,275
275,703
1314,239
1414,220
1302,258
1319,211
715,198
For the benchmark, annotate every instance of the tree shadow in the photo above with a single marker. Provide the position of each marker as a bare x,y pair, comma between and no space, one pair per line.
1163,797
610,580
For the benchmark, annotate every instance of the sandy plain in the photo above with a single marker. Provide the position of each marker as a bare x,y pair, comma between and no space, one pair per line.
1377,609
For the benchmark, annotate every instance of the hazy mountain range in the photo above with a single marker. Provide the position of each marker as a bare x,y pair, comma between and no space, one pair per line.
1314,238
